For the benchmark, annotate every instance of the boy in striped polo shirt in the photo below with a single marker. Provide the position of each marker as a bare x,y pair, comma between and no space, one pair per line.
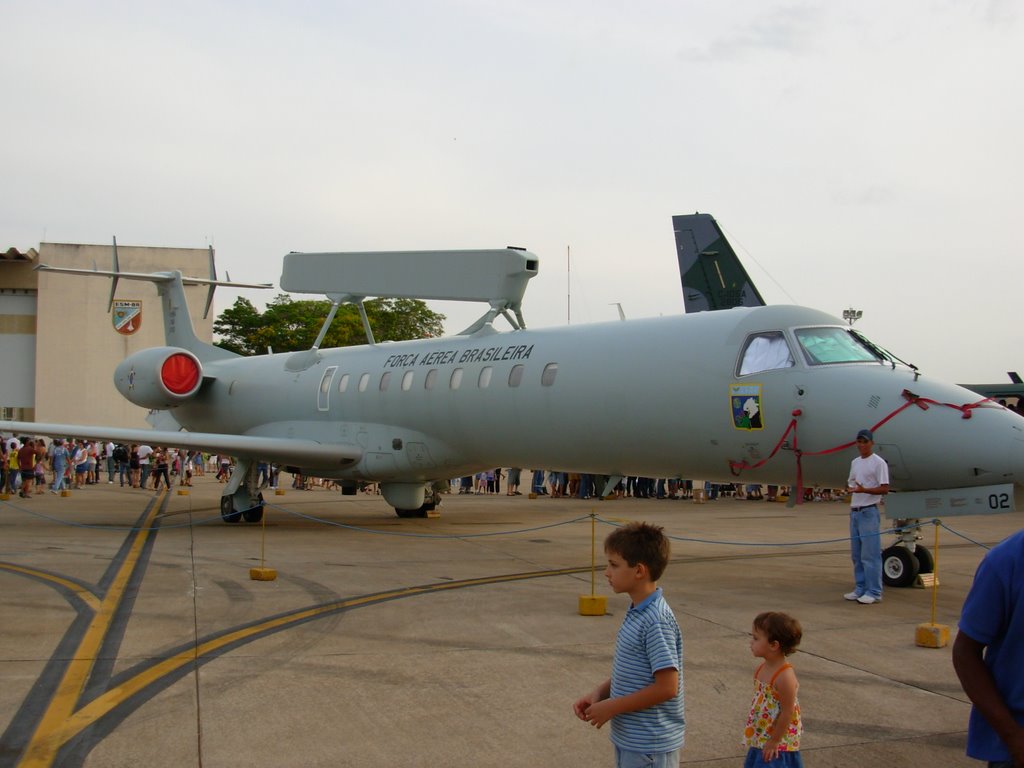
643,699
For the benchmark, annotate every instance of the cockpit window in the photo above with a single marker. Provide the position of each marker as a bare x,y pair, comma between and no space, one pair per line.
766,352
823,346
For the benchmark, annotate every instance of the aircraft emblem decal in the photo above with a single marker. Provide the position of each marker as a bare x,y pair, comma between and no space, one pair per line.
745,402
127,316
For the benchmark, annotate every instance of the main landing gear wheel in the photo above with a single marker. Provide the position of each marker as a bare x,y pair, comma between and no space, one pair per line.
228,513
254,514
899,566
925,563
422,511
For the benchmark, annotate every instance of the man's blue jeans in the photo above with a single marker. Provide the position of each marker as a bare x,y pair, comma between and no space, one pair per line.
866,550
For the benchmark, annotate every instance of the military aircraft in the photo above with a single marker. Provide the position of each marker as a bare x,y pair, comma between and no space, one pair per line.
767,394
713,278
1005,391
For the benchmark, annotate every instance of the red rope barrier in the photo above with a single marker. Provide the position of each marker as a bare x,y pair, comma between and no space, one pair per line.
924,403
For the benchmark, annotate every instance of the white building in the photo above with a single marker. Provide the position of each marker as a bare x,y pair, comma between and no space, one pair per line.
58,341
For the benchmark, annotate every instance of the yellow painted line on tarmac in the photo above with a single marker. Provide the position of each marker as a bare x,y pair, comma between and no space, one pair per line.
116,696
85,595
52,732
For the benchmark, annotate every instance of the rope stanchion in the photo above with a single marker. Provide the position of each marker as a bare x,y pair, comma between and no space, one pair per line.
593,604
263,573
932,635
924,403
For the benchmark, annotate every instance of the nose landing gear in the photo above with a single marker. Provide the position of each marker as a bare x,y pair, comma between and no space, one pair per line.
906,559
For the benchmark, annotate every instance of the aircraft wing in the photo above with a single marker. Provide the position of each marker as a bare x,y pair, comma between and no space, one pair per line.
304,453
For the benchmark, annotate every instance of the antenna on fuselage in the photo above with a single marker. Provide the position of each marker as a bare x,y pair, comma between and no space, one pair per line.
495,276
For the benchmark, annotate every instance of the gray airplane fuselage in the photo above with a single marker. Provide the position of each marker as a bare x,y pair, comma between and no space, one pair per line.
647,397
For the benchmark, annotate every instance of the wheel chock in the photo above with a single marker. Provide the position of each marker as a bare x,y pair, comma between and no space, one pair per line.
925,580
930,635
279,491
531,495
593,605
183,492
65,492
262,574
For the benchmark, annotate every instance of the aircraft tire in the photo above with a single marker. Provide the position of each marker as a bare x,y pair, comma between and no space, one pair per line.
419,512
228,513
925,563
254,514
899,566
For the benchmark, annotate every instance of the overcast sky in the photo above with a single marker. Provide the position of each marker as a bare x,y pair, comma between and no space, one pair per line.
865,154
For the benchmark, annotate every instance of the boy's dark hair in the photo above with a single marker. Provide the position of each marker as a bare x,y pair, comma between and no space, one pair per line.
780,628
640,543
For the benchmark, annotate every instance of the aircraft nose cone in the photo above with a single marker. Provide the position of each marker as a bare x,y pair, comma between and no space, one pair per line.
1016,453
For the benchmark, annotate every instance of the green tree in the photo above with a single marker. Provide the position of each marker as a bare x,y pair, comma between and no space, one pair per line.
289,326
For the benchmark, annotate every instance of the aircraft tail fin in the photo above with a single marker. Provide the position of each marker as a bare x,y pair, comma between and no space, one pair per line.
170,285
710,271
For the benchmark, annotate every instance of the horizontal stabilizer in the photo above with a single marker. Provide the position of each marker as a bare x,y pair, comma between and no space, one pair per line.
150,277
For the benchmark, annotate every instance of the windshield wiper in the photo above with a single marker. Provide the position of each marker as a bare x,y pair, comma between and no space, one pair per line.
882,353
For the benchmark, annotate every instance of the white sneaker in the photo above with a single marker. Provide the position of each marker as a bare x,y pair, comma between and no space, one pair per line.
852,596
868,599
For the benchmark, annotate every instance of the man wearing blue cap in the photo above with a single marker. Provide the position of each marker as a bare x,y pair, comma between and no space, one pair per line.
869,479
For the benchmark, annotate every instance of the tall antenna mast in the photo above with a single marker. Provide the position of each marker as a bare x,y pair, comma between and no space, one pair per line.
568,288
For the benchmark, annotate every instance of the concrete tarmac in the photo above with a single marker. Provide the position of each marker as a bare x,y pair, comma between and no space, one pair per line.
132,633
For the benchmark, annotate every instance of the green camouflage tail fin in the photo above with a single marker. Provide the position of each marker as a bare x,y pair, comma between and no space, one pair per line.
711,273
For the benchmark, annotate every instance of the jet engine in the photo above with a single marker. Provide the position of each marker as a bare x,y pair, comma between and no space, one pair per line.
159,377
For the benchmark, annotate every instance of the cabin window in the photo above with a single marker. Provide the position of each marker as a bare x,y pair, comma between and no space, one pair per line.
407,378
343,383
485,377
323,398
547,378
364,382
385,379
824,346
456,378
766,352
515,376
431,379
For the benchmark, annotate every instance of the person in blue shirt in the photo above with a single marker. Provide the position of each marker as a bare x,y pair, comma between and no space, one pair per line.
643,698
988,656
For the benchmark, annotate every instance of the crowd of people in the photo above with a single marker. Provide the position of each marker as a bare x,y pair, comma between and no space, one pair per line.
29,464
554,484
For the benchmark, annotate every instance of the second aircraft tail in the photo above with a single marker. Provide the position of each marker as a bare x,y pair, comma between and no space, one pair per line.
710,270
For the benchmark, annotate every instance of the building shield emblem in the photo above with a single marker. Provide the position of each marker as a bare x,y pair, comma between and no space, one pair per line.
127,316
